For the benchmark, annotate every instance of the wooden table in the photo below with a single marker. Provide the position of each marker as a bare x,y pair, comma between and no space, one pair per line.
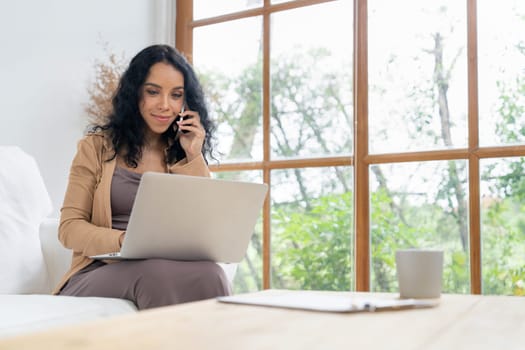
459,322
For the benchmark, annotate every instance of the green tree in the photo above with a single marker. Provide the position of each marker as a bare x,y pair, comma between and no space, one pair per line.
314,244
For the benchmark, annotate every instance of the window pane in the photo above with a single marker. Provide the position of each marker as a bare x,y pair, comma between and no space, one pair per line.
311,81
501,67
312,229
232,79
503,226
417,75
422,205
211,8
248,277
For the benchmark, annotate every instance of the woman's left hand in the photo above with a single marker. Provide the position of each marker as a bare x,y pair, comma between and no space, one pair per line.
192,139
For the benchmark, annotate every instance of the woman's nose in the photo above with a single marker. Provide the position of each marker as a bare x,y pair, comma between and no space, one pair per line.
164,102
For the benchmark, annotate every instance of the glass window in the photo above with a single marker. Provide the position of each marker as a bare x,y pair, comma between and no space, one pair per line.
312,228
285,106
417,75
503,226
501,69
212,8
230,71
419,205
311,81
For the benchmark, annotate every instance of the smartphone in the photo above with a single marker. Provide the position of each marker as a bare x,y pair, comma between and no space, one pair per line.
179,118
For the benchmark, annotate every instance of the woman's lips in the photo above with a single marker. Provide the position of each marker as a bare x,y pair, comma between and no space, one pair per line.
162,119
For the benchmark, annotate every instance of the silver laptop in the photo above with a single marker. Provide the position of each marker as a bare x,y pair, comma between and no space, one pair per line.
184,217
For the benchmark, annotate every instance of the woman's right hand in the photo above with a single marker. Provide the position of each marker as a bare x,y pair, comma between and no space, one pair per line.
191,134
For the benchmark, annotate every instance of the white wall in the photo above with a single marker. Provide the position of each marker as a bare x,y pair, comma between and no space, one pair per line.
48,49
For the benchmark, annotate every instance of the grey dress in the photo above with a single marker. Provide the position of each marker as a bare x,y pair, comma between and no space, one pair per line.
151,282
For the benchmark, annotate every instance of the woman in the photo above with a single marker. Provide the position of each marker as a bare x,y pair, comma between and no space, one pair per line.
159,123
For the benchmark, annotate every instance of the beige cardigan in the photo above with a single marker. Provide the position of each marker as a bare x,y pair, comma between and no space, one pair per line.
85,221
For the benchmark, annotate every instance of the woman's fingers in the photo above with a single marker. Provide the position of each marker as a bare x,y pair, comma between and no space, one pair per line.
189,121
191,133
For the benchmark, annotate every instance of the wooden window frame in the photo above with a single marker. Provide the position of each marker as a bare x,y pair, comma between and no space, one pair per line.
361,159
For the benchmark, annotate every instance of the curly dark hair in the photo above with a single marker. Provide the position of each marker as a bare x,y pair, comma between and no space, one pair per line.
125,125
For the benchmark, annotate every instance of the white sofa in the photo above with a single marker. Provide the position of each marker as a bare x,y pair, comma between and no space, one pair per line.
39,310
32,260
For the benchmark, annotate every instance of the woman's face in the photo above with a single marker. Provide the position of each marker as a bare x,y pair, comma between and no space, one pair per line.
162,97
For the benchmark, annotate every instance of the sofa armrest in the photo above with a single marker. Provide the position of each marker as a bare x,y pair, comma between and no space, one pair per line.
229,270
56,256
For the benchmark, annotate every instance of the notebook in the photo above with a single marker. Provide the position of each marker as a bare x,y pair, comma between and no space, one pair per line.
325,301
189,218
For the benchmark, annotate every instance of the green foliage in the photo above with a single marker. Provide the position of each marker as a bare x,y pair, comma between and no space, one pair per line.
429,227
503,222
503,248
456,272
387,234
510,128
312,248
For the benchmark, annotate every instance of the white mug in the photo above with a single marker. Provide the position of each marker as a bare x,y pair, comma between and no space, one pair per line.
419,273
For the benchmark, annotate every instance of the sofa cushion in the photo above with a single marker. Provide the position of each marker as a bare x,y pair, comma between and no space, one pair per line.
28,313
56,256
24,204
